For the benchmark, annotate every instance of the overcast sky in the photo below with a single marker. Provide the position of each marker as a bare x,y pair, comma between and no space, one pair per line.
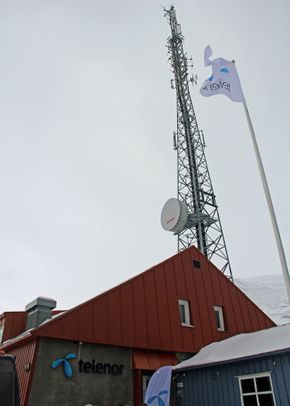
86,122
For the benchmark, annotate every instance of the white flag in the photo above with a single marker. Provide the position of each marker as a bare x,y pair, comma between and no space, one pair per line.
224,79
158,390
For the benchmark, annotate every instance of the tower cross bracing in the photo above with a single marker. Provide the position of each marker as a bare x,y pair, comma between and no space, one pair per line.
194,187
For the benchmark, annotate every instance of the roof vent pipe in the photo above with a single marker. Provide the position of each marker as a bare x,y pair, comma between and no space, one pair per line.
38,311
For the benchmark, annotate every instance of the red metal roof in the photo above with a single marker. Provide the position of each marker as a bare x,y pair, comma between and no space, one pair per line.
143,312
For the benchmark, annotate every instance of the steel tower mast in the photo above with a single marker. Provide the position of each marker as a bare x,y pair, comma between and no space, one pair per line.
203,227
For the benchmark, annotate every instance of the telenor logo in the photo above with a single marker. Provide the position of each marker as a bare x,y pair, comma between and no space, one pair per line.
67,369
224,70
160,401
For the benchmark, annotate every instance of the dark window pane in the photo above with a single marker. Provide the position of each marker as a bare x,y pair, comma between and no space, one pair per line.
217,319
195,263
182,313
248,385
250,400
263,384
266,400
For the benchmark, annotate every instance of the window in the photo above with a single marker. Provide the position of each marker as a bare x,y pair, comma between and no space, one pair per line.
1,333
219,318
184,312
195,263
145,381
256,390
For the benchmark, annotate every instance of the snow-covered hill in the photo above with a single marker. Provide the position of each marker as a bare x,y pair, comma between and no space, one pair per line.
269,293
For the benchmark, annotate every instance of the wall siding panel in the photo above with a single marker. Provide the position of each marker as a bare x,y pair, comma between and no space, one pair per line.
238,310
140,319
100,319
14,323
173,308
197,337
210,301
203,306
282,374
85,322
180,281
162,309
231,322
151,305
219,386
127,314
114,316
24,355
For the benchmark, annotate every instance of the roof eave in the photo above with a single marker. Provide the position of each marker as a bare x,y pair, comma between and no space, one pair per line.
233,360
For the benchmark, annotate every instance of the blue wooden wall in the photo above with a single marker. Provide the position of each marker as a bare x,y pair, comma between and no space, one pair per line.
219,385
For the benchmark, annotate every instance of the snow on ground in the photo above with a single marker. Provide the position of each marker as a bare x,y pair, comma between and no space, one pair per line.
269,293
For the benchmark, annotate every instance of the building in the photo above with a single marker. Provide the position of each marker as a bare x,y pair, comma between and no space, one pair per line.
104,351
9,391
247,369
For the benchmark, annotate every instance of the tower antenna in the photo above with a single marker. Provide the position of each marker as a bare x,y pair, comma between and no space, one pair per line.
193,216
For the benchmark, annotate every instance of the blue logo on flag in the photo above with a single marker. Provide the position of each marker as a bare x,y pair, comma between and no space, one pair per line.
67,369
160,402
224,70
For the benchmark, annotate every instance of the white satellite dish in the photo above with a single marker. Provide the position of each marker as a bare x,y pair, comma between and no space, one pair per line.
174,215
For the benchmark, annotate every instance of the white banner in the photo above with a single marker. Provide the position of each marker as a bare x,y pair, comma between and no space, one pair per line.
158,390
224,79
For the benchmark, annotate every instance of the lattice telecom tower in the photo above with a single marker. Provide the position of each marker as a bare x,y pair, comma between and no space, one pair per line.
193,216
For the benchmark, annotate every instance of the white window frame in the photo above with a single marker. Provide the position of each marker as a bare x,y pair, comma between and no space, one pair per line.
185,304
220,312
254,376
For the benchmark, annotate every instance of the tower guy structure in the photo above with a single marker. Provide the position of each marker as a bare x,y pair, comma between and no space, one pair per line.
193,216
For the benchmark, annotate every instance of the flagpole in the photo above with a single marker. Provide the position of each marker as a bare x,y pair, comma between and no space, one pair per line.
270,204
